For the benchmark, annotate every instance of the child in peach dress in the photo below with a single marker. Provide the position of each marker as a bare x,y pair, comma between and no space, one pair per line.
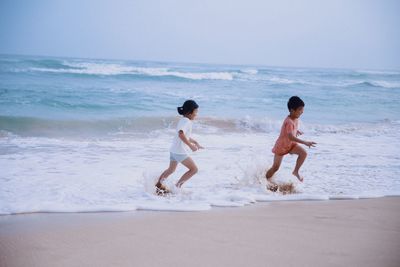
288,143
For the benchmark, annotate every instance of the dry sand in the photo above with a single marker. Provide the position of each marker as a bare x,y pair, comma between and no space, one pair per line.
323,233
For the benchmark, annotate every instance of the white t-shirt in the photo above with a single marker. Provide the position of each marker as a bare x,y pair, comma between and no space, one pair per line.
178,146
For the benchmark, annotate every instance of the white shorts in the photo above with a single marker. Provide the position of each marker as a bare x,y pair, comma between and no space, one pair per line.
177,157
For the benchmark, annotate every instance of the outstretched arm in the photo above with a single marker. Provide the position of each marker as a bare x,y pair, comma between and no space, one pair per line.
298,140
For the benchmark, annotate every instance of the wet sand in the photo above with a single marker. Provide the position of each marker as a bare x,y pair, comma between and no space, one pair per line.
302,233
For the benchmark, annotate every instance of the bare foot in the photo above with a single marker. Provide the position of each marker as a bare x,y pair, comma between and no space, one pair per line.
298,176
272,186
161,189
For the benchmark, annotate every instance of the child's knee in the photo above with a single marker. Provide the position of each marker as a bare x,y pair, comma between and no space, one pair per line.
194,170
301,153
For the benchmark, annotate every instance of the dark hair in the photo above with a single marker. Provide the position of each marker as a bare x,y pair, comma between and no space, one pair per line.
295,102
187,107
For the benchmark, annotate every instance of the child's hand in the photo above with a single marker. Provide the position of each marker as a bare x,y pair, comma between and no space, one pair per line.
299,133
197,145
310,144
193,147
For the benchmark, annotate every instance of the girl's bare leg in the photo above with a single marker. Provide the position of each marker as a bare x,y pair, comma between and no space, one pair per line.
302,155
167,172
188,163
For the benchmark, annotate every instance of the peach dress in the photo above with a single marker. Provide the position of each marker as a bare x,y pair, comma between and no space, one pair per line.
283,144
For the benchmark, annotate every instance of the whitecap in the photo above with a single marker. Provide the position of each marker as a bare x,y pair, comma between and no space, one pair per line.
118,69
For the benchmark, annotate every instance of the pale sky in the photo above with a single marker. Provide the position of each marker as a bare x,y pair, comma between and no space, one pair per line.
300,33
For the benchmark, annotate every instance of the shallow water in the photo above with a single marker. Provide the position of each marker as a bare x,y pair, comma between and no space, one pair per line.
92,135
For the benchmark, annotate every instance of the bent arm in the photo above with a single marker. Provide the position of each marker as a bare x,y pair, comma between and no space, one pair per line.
185,140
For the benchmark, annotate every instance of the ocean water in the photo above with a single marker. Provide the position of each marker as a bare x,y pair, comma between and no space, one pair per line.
80,135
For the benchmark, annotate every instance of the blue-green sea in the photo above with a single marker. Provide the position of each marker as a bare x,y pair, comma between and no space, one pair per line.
93,134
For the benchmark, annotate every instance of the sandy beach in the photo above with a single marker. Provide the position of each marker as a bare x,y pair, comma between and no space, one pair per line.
305,233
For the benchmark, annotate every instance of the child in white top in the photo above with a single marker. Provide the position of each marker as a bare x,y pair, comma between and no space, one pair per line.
179,151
